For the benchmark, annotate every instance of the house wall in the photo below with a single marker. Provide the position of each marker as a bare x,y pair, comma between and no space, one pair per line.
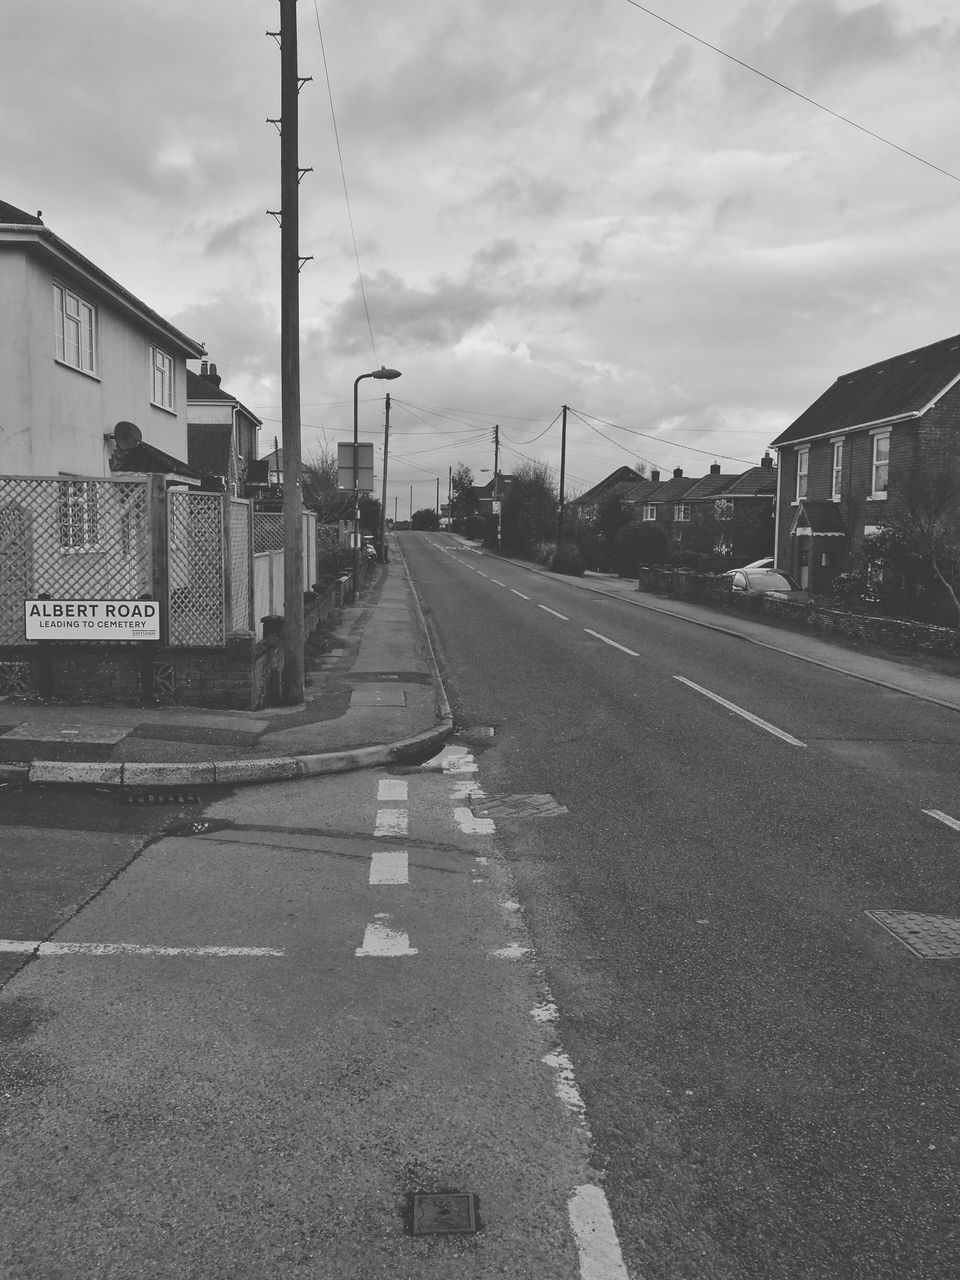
52,417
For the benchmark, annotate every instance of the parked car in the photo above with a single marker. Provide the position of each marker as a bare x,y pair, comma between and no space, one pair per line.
765,563
754,583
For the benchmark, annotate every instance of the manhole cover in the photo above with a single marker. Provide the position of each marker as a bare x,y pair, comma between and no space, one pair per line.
444,1213
535,806
929,937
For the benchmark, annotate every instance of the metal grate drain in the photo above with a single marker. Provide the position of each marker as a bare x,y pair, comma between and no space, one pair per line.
160,797
535,806
929,937
444,1213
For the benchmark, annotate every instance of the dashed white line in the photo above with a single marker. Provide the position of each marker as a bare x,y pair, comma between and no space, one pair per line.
470,824
944,818
129,949
561,616
519,593
747,715
612,643
482,574
391,822
389,866
497,583
380,940
597,1243
392,789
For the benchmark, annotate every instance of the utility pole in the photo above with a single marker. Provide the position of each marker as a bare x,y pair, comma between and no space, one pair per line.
496,477
563,466
383,491
438,495
293,627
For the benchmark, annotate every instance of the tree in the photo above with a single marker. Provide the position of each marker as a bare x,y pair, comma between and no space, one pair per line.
529,510
425,518
463,501
321,492
924,513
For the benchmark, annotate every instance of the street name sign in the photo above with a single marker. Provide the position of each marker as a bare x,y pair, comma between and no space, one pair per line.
364,467
92,619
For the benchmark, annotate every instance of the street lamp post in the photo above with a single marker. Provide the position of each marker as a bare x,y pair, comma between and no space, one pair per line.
382,372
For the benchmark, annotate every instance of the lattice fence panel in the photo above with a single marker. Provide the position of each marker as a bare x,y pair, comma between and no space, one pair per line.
268,531
240,567
71,539
195,563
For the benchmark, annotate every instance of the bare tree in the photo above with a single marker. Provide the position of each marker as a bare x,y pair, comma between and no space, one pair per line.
925,512
321,492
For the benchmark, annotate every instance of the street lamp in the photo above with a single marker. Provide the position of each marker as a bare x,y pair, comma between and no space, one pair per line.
382,372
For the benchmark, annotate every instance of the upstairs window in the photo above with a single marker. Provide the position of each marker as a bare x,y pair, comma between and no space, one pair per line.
649,512
881,464
162,371
803,466
837,470
681,511
78,516
75,330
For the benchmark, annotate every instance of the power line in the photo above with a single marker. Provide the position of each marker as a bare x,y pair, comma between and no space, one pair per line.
346,193
796,93
674,444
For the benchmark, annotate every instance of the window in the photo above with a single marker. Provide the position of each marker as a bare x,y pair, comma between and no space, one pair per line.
723,509
74,328
78,517
681,511
837,471
803,465
162,370
649,512
881,464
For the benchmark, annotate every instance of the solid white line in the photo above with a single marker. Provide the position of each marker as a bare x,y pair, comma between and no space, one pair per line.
944,818
592,1223
613,643
389,867
391,822
519,593
130,949
732,706
561,616
392,789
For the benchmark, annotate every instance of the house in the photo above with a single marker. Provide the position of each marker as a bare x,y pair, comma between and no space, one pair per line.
851,456
81,354
661,500
221,431
617,484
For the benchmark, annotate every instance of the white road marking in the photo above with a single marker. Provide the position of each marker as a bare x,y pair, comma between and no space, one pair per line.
512,952
130,949
747,715
944,818
482,574
380,940
613,643
497,583
389,867
592,1223
561,616
391,822
392,789
470,824
565,1085
519,593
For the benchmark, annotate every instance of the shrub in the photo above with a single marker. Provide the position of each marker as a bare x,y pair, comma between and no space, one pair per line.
595,550
639,542
567,559
544,552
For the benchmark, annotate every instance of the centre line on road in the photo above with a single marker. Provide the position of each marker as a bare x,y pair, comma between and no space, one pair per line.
497,582
606,640
519,593
562,616
130,949
482,574
389,867
944,818
747,715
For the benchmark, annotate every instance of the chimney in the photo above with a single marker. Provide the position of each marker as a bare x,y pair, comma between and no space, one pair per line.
715,469
203,368
213,376
766,462
654,477
678,473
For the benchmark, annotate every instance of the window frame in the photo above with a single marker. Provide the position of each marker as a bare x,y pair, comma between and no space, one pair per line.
836,471
803,472
649,511
880,437
162,364
681,512
74,331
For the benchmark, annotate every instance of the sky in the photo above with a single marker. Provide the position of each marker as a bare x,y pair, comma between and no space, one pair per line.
519,204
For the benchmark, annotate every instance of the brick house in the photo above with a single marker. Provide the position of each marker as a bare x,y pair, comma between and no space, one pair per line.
661,501
221,431
844,461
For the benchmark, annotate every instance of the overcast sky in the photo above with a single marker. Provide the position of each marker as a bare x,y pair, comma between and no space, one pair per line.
554,201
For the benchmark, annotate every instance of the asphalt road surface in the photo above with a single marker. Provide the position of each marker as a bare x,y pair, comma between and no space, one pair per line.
770,1075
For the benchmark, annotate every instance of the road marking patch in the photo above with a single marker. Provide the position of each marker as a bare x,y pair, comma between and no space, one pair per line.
380,940
389,867
746,715
391,822
943,817
596,1236
613,644
562,616
519,593
130,949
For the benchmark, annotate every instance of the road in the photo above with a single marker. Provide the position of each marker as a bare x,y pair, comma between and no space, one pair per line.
769,1075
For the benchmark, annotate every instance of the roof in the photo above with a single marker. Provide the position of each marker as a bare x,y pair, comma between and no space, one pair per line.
209,447
903,386
707,486
757,482
608,485
24,231
670,490
199,388
145,457
819,517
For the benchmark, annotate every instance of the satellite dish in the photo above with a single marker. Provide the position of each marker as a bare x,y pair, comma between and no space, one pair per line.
127,435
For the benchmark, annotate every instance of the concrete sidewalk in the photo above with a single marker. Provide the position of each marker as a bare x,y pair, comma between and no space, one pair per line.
374,699
914,678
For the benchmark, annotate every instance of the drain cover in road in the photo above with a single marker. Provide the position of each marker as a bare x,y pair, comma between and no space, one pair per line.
929,937
516,807
445,1213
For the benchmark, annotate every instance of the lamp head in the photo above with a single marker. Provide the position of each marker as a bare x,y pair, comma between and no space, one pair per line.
383,372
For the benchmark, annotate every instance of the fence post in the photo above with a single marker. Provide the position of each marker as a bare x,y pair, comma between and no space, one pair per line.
157,551
251,609
45,660
225,556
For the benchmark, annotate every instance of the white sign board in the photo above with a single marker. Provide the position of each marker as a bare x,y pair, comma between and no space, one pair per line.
92,619
364,467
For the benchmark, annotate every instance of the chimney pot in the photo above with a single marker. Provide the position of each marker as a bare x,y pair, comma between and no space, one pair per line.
715,469
655,477
766,462
212,375
678,473
203,368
